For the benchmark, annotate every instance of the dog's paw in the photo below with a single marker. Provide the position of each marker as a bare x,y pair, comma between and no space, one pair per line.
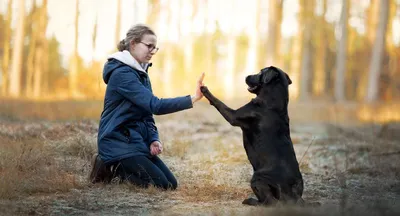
251,201
203,89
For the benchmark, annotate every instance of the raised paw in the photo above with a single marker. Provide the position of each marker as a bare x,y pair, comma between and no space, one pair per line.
203,89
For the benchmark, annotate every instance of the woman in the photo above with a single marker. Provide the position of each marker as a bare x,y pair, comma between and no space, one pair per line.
128,141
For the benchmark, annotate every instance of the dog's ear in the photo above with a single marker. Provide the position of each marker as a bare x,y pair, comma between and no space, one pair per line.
286,75
288,79
269,75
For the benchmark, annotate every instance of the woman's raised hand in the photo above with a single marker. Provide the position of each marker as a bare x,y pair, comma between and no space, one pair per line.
198,95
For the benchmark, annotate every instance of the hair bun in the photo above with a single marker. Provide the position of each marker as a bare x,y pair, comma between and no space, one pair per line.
121,46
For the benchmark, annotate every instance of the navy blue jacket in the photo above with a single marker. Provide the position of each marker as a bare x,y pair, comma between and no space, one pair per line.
127,127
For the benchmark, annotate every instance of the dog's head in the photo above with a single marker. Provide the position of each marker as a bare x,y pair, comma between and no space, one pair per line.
269,82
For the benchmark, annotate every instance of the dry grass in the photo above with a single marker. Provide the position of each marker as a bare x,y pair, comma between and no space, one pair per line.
28,167
346,168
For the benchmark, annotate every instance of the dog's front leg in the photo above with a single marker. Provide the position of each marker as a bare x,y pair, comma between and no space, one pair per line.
228,113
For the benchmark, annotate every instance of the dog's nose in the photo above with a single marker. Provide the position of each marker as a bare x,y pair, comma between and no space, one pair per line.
247,79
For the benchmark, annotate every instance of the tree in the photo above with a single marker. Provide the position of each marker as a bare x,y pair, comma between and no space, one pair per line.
274,33
377,53
321,46
342,52
372,20
307,16
15,78
168,51
56,72
118,24
393,66
32,23
41,54
6,49
228,77
188,12
252,34
73,71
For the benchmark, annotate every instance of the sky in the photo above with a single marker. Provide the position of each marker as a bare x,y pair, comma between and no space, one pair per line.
234,17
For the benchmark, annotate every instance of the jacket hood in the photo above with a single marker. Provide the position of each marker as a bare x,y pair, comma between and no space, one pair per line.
120,59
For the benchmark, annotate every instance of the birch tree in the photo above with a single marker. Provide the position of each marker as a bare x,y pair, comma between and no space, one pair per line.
6,49
341,57
15,76
32,49
274,33
41,54
321,45
118,24
252,52
377,53
306,69
73,71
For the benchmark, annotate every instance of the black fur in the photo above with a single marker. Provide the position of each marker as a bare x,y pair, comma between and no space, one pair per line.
266,137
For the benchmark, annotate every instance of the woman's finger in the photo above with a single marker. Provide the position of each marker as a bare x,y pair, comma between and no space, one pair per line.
201,78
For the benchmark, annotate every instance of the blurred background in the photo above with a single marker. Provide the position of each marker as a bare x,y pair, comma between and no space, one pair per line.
335,51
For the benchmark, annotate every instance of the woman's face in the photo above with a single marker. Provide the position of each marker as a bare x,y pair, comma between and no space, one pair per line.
144,50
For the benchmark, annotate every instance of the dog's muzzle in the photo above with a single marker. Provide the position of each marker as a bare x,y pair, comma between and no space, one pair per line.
253,82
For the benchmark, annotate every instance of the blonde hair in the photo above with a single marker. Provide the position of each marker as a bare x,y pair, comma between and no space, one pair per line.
135,33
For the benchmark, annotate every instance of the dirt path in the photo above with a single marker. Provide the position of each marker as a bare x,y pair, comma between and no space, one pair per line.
347,169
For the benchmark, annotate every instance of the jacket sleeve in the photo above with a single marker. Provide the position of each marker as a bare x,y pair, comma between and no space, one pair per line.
127,83
152,130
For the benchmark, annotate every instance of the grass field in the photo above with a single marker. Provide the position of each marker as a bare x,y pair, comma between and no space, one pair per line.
349,166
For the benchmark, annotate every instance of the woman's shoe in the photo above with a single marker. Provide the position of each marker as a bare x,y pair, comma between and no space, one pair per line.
100,172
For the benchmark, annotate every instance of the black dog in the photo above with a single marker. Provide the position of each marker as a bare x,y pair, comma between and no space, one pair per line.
266,137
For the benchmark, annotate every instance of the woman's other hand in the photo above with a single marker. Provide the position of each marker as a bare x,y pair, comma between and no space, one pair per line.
198,95
156,148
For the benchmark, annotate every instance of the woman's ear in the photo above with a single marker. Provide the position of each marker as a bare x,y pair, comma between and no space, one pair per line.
132,45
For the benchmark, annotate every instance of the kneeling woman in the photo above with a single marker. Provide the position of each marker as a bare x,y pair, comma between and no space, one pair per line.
128,141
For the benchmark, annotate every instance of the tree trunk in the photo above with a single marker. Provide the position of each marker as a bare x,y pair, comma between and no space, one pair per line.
153,13
118,24
372,20
390,89
371,16
73,72
186,22
306,68
209,47
6,53
252,57
319,85
32,51
15,78
229,76
168,53
40,62
377,53
230,62
342,53
295,64
273,56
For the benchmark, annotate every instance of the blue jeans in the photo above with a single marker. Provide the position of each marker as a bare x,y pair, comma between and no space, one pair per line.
143,171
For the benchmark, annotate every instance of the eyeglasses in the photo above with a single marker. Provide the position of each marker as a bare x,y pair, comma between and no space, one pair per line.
151,47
